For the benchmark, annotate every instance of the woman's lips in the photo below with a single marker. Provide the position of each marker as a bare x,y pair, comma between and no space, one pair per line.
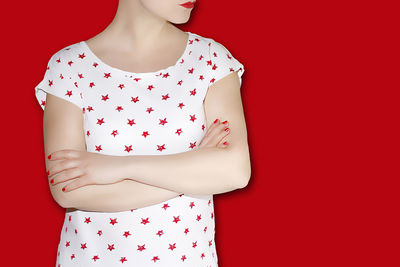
188,4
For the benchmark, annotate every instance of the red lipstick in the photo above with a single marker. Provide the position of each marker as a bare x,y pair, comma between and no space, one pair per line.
188,4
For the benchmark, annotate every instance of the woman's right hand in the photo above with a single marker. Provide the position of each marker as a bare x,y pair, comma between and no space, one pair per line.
215,135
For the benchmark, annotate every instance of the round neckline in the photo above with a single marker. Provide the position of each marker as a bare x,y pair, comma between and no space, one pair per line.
99,61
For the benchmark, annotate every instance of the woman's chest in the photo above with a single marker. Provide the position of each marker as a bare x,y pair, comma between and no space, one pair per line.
143,116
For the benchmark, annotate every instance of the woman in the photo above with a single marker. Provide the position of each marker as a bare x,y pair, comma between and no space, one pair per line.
137,139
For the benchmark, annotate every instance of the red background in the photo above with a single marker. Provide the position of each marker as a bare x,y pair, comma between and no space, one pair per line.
321,114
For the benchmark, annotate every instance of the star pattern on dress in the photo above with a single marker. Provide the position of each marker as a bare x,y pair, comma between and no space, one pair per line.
126,113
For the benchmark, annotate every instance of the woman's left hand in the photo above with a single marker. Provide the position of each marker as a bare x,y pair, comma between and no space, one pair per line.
85,168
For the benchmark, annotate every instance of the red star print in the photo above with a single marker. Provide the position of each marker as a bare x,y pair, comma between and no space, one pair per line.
91,84
201,77
70,62
131,122
98,148
69,217
192,145
165,206
194,244
141,248
145,221
166,75
165,97
172,247
82,56
76,84
119,108
179,131
210,243
87,220
76,231
209,62
180,105
67,244
191,70
198,217
126,234
150,87
176,219
193,117
137,79
123,259
95,258
145,134
114,133
105,98
95,64
121,86
193,92
113,221
203,127
100,121
183,258
161,148
201,57
66,229
83,246
50,82
209,202
107,75
205,229
191,205
186,231
90,108
128,148
110,247
163,121
58,60
72,256
99,232
155,258
134,99
202,255
149,110
69,93
160,233
180,82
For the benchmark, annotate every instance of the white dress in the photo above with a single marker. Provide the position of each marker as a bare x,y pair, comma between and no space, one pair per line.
154,113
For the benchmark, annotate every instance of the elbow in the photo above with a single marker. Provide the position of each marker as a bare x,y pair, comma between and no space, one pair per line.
240,160
243,180
59,197
245,171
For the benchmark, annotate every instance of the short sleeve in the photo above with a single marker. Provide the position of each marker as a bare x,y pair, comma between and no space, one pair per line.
58,81
223,63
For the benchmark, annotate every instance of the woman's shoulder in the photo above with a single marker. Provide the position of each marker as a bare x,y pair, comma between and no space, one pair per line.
210,43
68,53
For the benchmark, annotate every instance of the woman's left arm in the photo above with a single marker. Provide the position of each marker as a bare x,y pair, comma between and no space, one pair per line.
209,170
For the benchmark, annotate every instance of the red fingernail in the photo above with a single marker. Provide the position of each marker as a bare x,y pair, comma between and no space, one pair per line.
225,122
63,189
52,180
216,121
49,156
225,143
227,129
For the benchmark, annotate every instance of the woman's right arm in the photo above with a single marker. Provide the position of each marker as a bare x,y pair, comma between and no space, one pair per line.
63,129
